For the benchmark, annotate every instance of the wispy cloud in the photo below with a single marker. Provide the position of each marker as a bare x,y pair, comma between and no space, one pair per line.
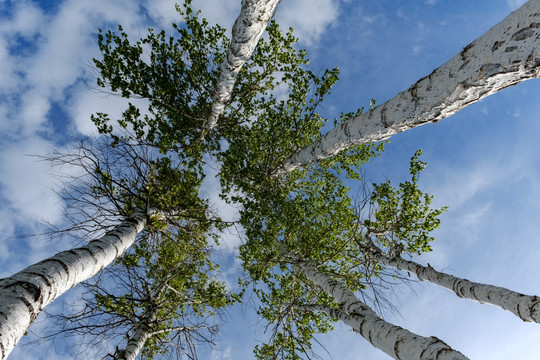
514,4
309,18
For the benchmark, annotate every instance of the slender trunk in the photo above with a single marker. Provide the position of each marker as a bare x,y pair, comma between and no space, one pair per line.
26,293
504,56
393,340
526,307
247,30
136,342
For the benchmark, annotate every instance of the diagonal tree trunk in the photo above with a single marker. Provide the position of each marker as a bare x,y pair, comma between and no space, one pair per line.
526,307
247,30
136,342
506,55
393,340
24,294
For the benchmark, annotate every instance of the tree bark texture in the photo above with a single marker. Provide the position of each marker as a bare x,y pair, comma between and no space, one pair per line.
506,55
136,342
526,307
394,340
247,30
26,293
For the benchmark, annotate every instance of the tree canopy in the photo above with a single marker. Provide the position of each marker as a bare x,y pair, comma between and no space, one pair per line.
317,241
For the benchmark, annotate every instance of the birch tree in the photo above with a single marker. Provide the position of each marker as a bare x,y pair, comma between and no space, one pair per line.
246,32
24,294
395,341
387,234
159,298
115,185
308,214
504,56
181,83
526,307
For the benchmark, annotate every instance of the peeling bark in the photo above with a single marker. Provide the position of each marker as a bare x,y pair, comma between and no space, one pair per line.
24,294
394,340
247,30
526,307
506,55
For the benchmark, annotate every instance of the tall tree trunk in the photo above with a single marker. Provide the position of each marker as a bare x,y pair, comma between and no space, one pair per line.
506,55
26,293
247,30
393,340
136,342
526,307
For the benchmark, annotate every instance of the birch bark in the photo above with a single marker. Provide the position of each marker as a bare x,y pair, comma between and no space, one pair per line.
26,293
395,341
506,55
526,307
136,342
247,30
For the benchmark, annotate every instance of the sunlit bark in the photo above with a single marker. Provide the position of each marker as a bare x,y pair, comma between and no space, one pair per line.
24,294
247,30
506,55
136,342
526,307
393,340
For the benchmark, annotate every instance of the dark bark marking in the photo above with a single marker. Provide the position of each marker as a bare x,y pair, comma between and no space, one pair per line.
32,289
510,48
41,276
523,34
490,69
384,119
463,55
90,252
443,351
497,45
30,308
396,347
66,268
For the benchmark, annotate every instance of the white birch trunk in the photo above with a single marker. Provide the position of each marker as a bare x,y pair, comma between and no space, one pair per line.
506,55
26,293
247,30
526,307
395,341
138,339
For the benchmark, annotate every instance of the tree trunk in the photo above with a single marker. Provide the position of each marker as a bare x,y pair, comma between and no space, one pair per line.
506,55
247,30
526,307
393,340
136,342
26,293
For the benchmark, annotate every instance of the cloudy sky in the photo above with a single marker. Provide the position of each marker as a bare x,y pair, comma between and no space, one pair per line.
483,161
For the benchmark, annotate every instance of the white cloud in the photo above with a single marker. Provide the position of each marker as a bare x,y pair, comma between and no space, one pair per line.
219,12
230,239
26,182
308,18
514,4
27,19
221,354
163,12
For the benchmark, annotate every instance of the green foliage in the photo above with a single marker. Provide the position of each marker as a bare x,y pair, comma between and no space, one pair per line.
170,278
403,216
308,213
175,74
134,179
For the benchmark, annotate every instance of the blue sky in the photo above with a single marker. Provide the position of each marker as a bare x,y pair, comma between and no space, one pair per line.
483,161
